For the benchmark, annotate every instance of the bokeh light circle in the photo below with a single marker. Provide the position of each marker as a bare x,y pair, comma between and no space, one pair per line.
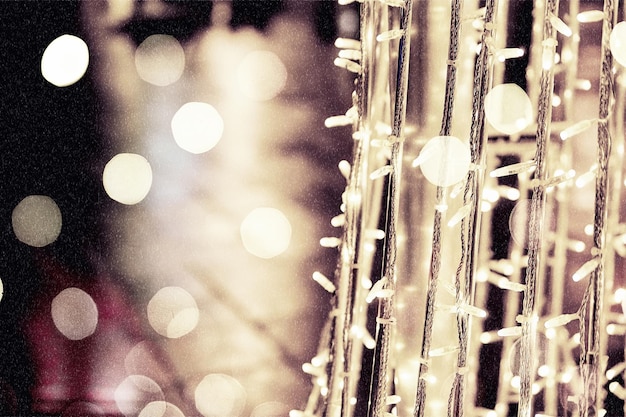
520,218
261,75
219,395
197,127
160,60
127,178
617,43
37,220
1,289
508,108
74,313
161,409
135,392
447,160
173,312
142,360
538,356
65,60
266,232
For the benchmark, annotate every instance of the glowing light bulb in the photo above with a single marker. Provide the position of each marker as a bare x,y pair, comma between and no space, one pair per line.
127,178
197,127
617,43
448,160
266,232
160,60
460,215
324,281
37,221
65,60
74,313
590,16
220,395
173,312
508,108
586,269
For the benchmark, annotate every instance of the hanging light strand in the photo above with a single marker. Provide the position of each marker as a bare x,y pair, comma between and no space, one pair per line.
471,198
385,318
435,263
537,213
591,309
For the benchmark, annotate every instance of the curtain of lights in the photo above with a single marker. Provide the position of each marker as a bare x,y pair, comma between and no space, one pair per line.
457,263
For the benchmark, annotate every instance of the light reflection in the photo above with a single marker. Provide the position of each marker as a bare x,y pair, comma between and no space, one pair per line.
173,312
220,395
37,220
65,60
74,313
127,178
261,75
266,232
160,60
197,127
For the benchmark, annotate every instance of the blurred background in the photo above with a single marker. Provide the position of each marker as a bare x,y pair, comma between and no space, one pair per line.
166,178
199,294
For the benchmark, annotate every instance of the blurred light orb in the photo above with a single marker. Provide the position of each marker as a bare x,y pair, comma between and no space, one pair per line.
197,127
446,160
37,220
65,60
127,178
617,43
1,289
219,395
140,359
539,354
261,75
160,60
74,313
508,108
173,312
161,409
135,392
266,232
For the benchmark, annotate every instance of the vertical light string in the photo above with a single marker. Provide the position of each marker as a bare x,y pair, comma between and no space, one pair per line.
613,219
470,226
435,264
348,317
377,117
557,336
385,317
591,309
537,215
